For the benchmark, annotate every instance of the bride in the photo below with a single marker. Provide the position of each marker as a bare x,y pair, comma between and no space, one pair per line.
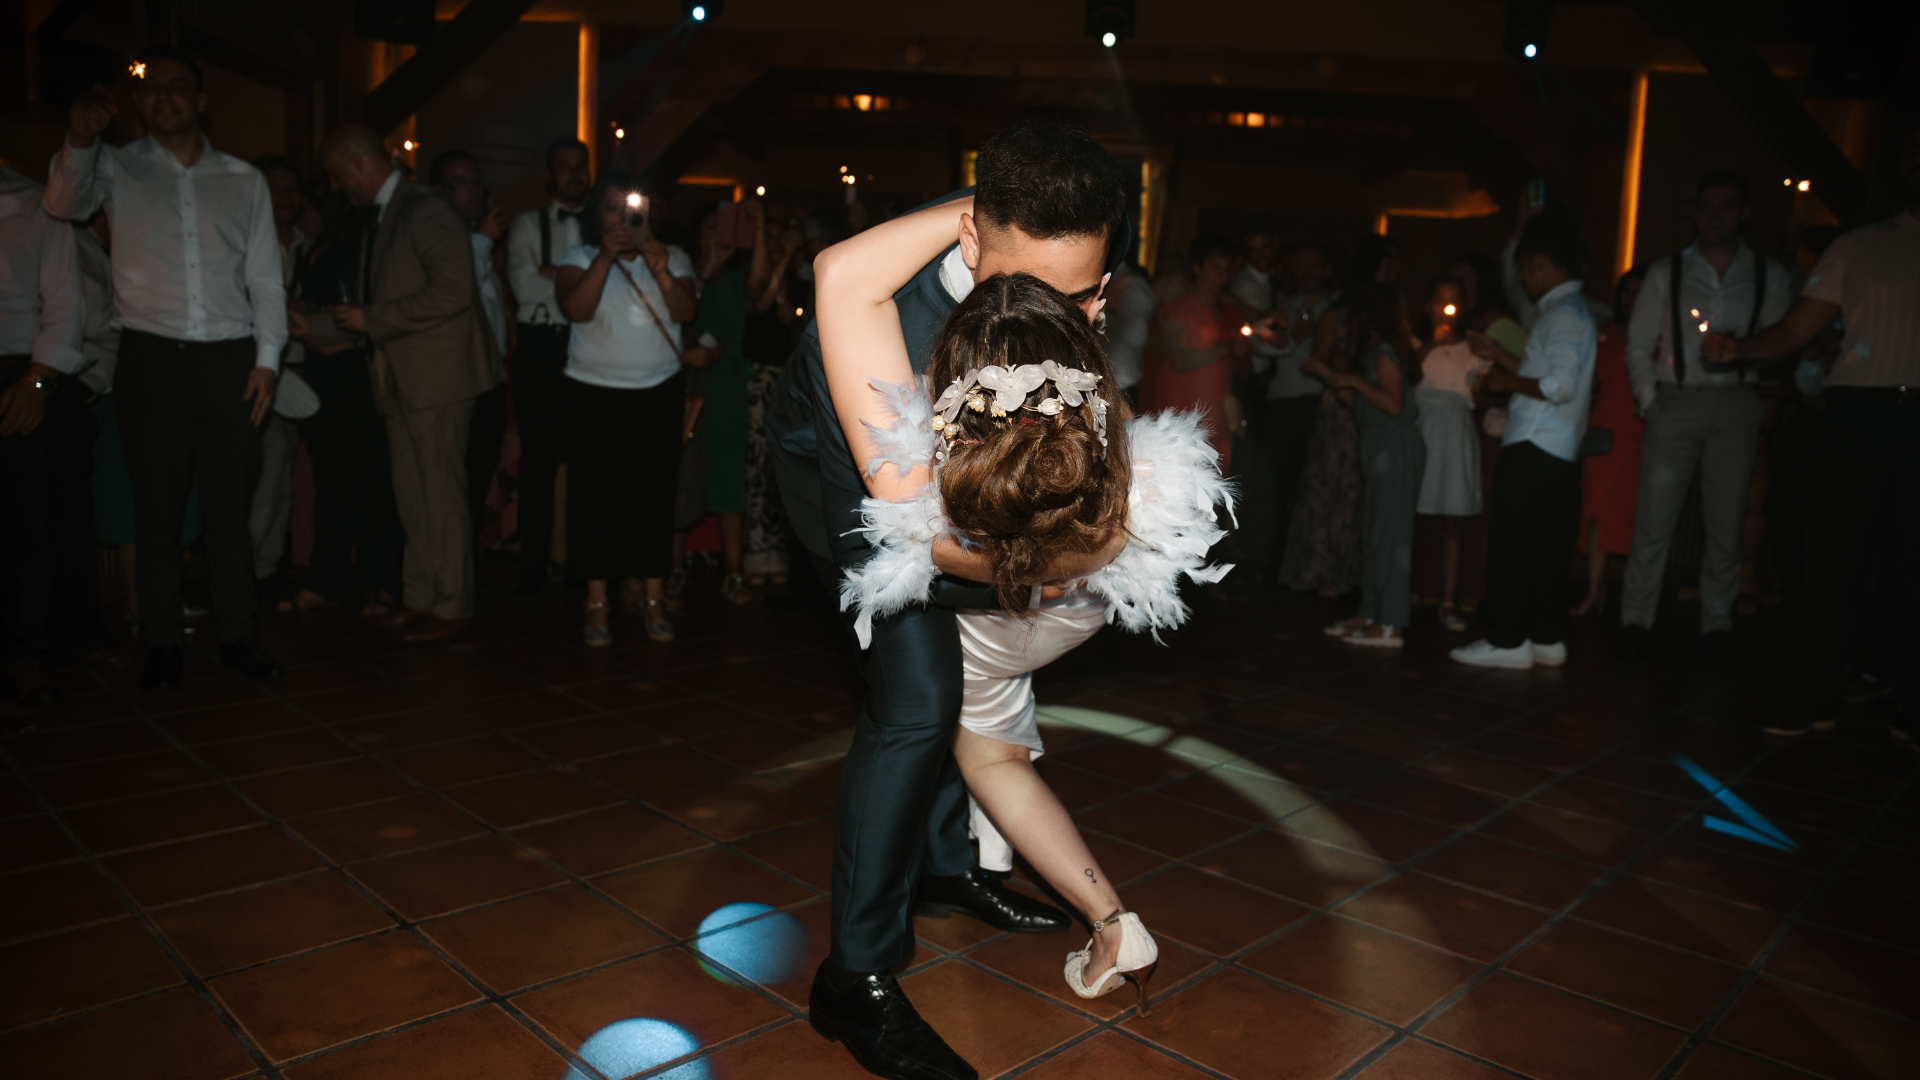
1004,457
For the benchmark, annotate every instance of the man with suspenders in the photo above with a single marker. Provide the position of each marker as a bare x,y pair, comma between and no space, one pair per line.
534,245
1696,414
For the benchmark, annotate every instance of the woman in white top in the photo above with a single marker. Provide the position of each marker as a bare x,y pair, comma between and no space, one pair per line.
626,399
1450,490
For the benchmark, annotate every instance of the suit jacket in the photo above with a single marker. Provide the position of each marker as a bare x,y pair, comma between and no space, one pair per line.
431,345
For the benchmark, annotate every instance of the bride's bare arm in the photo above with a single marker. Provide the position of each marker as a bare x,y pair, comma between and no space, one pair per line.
860,337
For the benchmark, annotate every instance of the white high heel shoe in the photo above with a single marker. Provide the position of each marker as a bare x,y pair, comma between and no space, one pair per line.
1134,962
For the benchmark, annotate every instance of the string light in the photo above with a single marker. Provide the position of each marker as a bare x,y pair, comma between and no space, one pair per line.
139,70
1806,185
410,145
1448,310
761,190
619,133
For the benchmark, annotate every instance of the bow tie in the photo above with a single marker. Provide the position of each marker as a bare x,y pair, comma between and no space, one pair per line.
576,215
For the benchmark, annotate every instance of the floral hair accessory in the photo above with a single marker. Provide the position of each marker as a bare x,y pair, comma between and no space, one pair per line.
1010,388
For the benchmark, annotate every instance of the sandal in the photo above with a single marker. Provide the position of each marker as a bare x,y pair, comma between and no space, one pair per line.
1450,619
733,589
658,627
378,605
1389,637
1133,962
597,637
1345,627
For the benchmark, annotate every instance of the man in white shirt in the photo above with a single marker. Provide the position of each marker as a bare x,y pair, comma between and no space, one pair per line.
196,275
456,175
40,319
1866,449
272,509
1292,405
1697,415
1536,485
534,246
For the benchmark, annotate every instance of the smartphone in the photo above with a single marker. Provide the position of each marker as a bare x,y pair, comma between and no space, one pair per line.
341,294
637,206
736,229
1537,194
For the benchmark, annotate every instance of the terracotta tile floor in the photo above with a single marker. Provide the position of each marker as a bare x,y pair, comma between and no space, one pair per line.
509,857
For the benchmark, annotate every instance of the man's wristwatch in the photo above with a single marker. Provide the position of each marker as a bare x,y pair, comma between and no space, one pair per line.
45,383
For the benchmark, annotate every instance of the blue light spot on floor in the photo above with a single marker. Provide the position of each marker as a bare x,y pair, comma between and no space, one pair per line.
1751,826
769,949
628,1047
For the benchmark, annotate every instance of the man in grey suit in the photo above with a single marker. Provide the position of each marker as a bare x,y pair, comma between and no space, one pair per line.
432,356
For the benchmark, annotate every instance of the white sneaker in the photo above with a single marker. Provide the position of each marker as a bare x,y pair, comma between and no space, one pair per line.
1550,655
1483,653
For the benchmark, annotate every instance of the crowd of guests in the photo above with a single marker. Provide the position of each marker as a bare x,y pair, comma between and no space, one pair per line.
1527,419
159,390
178,324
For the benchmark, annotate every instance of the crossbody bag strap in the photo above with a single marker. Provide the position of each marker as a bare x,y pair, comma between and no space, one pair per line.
648,304
1673,302
546,236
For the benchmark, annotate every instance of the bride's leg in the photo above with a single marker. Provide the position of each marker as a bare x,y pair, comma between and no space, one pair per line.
1002,779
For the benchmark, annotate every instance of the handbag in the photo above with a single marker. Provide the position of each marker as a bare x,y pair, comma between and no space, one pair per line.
1597,441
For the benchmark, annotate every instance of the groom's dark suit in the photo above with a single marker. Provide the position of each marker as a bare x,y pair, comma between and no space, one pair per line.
903,806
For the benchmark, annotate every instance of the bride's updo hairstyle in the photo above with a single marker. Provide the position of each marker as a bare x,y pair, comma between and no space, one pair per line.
1027,486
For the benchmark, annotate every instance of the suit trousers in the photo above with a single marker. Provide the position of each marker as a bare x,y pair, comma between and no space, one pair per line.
184,418
272,507
1280,452
539,409
487,436
1866,488
903,805
356,527
1530,525
429,451
48,597
1718,430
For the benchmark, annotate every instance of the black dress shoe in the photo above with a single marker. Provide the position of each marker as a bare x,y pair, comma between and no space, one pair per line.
1634,643
980,894
246,657
881,1029
163,668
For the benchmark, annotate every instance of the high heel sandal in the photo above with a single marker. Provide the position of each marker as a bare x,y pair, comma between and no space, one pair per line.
1133,962
1450,619
597,637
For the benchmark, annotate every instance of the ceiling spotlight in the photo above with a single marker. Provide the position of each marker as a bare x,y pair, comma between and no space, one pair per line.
1788,182
619,133
761,190
1525,33
704,10
1806,185
409,145
1110,22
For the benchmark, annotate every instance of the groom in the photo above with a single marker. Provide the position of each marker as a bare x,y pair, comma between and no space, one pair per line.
1048,202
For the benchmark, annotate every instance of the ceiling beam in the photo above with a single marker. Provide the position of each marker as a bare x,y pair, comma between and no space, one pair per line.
61,18
1768,102
434,64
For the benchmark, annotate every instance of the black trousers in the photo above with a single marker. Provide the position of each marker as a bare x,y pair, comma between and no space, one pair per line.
623,454
184,417
1530,530
539,407
49,594
902,810
484,441
356,526
1866,480
1280,451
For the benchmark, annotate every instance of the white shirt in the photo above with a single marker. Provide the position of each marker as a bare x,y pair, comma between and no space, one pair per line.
195,254
1873,273
532,290
490,298
40,306
955,275
1560,354
621,347
1725,304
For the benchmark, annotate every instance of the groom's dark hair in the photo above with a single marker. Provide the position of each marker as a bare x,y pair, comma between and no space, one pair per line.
1049,180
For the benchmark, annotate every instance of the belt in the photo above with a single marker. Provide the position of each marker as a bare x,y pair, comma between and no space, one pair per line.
1898,395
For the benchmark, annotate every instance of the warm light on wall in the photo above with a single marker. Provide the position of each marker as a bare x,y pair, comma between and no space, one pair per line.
1630,178
1255,119
587,92
1237,119
863,102
1380,223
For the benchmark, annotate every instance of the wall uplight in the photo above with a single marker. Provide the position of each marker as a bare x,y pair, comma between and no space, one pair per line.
1255,119
863,102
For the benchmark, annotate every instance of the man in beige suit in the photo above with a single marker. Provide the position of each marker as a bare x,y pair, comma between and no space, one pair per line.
432,356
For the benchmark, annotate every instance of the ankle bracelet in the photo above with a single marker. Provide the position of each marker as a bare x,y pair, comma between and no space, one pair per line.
1100,925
